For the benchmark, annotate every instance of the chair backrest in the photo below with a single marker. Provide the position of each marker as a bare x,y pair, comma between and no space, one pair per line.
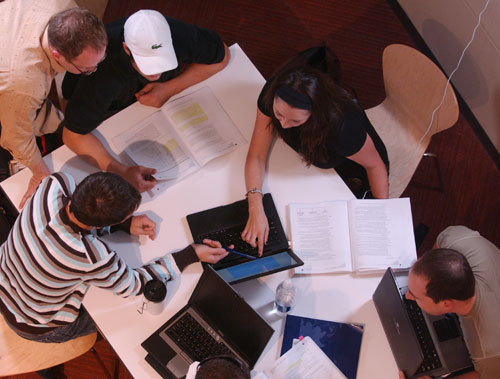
19,355
414,87
415,84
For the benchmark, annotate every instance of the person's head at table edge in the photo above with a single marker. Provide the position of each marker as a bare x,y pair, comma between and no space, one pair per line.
148,43
77,40
103,199
441,281
221,367
305,97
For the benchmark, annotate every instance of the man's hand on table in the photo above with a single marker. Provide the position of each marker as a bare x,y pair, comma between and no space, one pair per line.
155,94
32,186
39,171
143,225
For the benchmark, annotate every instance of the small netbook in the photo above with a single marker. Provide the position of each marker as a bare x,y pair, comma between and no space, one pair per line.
225,224
422,344
215,321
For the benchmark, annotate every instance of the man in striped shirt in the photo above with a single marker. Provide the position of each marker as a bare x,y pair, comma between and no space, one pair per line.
53,255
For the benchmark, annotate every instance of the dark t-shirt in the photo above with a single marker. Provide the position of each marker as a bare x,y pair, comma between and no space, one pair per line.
112,87
342,141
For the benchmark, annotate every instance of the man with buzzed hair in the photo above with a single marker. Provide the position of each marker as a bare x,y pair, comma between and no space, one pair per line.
462,276
39,39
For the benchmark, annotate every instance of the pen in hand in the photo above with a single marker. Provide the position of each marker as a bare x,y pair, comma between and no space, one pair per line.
238,253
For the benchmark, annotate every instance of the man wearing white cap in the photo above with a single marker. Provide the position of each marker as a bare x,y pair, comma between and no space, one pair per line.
150,57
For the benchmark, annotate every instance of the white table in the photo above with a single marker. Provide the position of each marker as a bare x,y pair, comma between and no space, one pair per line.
344,298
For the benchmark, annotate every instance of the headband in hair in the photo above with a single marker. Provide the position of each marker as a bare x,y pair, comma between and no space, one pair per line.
294,98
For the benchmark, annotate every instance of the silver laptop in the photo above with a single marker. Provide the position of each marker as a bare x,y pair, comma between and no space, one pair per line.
422,344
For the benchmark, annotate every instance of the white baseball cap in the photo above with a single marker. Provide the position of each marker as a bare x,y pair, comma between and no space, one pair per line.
147,35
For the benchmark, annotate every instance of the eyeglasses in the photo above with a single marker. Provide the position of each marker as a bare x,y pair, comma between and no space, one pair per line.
88,70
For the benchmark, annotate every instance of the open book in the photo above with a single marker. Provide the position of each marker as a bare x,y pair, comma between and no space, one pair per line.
355,235
182,136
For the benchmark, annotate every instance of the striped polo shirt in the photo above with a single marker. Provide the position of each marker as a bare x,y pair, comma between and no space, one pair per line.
47,263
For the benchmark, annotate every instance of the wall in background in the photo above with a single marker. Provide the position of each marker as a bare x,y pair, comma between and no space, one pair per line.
446,26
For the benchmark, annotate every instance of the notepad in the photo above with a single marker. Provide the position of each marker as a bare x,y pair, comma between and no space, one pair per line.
182,136
354,235
341,342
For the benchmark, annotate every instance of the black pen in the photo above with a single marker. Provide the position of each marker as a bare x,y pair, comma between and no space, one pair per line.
150,178
238,253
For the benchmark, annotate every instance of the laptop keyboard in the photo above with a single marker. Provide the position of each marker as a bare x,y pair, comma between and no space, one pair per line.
232,236
431,359
194,340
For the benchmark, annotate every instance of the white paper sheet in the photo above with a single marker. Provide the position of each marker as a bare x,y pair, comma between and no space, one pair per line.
381,234
320,236
305,360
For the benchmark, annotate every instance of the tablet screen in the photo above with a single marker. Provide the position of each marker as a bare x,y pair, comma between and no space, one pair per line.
258,267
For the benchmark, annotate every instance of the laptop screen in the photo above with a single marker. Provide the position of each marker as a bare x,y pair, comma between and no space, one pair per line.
225,224
257,267
230,315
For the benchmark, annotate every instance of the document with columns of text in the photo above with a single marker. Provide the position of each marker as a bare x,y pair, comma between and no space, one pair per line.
182,136
354,235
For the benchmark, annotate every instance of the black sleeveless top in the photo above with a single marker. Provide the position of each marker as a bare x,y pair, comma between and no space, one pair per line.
343,141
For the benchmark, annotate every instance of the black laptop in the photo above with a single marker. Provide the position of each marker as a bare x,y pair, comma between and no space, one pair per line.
225,224
215,321
422,344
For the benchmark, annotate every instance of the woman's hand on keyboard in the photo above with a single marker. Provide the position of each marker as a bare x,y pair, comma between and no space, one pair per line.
210,251
257,229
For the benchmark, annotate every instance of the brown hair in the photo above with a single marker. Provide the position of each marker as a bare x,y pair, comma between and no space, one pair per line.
104,199
330,102
72,30
449,274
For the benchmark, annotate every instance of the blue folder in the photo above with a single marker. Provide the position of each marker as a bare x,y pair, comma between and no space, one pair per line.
340,341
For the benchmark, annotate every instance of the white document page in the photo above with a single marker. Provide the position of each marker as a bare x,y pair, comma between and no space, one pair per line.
305,360
203,125
381,234
320,236
152,144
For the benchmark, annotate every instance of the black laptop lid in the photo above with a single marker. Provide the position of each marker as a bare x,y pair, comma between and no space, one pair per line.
276,257
397,325
230,315
234,214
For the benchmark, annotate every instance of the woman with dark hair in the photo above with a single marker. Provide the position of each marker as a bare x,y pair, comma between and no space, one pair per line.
304,105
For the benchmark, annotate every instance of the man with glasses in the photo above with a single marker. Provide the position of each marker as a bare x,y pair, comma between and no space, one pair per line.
38,40
87,70
150,58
